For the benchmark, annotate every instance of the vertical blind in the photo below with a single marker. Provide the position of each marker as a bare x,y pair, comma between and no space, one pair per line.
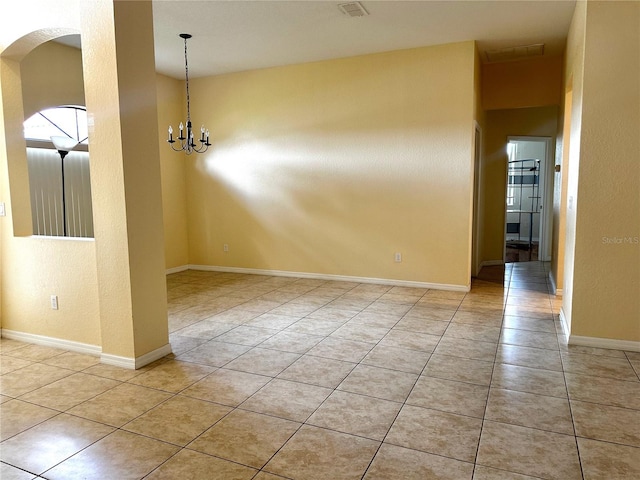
45,180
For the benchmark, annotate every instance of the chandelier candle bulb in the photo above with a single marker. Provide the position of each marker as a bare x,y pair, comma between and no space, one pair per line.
171,140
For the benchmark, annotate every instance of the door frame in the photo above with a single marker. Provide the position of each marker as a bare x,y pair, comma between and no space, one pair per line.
546,216
477,185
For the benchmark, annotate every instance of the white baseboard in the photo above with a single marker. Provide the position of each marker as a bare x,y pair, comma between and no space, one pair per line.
69,345
597,342
564,324
556,291
491,263
610,343
138,362
87,349
341,278
179,269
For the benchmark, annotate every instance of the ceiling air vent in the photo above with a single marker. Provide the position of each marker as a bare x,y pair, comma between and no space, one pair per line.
515,53
353,9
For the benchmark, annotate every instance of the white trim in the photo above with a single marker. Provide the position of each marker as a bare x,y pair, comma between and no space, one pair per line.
52,342
179,269
563,323
326,276
610,343
117,361
556,291
491,263
153,355
597,342
138,362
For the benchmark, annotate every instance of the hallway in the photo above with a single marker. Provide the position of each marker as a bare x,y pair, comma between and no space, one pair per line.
291,378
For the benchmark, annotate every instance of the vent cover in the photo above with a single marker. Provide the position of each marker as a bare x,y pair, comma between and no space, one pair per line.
515,53
353,9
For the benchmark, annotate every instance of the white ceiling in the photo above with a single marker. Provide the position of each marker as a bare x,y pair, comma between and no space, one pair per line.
236,35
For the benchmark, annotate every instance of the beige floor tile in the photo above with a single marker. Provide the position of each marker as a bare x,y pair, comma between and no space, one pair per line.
487,473
481,333
17,416
7,472
120,404
429,312
214,353
73,361
178,420
113,372
472,349
205,329
607,391
292,342
605,352
356,414
529,380
324,372
392,462
528,338
30,378
7,345
311,454
529,410
51,442
263,361
294,309
411,340
599,366
268,476
459,369
379,382
272,321
607,423
475,318
245,335
246,437
187,464
377,319
227,387
35,353
529,451
420,325
172,376
356,331
333,314
388,308
529,357
395,358
449,396
433,431
315,326
531,324
182,344
70,391
4,398
9,364
601,460
341,349
118,455
528,312
285,399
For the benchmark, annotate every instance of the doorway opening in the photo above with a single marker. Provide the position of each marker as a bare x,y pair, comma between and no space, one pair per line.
527,233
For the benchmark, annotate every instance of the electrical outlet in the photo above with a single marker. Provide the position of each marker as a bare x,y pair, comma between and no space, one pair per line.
2,210
54,302
398,257
225,247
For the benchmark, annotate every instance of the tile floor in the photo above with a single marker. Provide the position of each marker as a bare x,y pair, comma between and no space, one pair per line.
291,378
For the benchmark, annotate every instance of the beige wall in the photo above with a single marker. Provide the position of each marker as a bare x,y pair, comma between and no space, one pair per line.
534,82
602,256
128,258
500,124
172,170
51,76
332,167
34,268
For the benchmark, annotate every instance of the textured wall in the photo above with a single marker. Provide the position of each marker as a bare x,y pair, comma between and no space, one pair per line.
332,167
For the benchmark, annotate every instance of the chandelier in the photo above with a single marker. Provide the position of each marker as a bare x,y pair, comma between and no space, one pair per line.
187,142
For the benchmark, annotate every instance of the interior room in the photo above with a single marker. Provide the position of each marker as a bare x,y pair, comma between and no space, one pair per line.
402,243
